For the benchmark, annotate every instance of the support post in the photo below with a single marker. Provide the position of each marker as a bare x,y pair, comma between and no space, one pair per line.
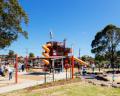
62,65
16,69
53,69
66,74
70,67
72,59
45,74
26,63
45,77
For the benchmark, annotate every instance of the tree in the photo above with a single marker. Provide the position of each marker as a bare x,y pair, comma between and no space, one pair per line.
12,16
100,60
118,59
11,54
118,53
31,55
87,58
106,42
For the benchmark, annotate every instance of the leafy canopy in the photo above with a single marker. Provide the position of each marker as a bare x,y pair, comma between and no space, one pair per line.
107,43
12,16
11,54
31,55
106,40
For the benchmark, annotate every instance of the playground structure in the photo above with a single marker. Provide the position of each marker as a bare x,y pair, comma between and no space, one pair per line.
60,53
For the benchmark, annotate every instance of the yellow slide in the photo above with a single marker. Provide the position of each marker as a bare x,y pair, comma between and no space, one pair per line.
80,61
46,53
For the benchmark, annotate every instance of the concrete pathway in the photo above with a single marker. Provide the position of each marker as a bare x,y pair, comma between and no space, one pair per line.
29,83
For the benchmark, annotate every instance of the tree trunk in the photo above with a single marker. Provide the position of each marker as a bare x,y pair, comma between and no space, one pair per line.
118,67
99,67
112,56
112,64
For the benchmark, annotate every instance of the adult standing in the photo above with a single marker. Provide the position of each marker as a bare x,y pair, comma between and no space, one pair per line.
10,71
84,70
23,67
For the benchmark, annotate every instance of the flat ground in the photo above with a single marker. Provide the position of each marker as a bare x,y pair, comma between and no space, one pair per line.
78,89
74,89
37,75
22,76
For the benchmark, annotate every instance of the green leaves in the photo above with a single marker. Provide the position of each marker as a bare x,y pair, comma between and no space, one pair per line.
11,17
87,58
106,42
108,37
31,55
11,54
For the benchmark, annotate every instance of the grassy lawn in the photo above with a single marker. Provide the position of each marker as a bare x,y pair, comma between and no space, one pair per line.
74,89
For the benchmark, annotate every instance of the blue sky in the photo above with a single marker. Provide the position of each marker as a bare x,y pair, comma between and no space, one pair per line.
76,20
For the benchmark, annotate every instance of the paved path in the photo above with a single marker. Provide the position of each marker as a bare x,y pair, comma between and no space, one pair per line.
30,83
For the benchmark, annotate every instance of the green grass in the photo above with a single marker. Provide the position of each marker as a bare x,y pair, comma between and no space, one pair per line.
77,89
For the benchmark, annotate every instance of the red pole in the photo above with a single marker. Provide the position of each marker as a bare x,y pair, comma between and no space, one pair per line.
26,64
16,67
72,59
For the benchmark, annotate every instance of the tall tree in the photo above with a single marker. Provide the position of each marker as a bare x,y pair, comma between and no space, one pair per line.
12,16
118,53
107,41
87,58
31,55
11,54
118,59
